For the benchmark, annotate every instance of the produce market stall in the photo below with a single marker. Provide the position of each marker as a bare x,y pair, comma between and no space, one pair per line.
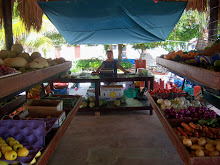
208,79
15,84
168,125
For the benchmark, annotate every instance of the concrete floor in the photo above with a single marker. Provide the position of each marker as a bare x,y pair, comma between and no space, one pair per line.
131,138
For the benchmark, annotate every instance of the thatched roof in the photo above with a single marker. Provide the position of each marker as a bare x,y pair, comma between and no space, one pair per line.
31,13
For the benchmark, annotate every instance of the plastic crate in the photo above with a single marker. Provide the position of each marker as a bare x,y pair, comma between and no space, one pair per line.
60,91
169,95
131,92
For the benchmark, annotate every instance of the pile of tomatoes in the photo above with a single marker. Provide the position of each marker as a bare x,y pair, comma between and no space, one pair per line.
166,92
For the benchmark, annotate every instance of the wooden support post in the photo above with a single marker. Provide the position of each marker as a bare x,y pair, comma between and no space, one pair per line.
213,24
7,18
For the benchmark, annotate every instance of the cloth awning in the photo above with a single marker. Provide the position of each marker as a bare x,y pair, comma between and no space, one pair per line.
113,21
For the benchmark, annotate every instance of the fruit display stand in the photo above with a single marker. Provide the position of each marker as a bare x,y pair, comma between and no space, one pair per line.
16,84
203,77
52,144
12,105
209,80
13,85
184,154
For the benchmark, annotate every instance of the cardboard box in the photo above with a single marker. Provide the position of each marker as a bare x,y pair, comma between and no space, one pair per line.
60,115
112,92
56,105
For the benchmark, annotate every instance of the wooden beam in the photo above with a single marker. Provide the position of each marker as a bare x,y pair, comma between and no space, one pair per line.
213,20
7,18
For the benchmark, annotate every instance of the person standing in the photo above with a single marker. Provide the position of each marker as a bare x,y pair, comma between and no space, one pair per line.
111,63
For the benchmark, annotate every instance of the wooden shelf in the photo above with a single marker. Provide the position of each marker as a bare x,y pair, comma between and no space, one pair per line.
49,149
184,154
14,84
203,77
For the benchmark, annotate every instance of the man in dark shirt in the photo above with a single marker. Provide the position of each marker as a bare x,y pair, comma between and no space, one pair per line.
111,63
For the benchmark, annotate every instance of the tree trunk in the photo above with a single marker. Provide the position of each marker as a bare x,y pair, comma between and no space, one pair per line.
142,54
7,18
213,24
120,46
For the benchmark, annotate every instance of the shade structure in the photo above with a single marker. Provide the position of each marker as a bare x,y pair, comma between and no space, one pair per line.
113,21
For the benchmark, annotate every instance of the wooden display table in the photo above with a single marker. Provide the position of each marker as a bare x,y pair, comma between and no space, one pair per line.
133,104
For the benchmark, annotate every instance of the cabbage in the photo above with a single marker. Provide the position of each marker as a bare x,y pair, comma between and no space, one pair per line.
167,102
160,101
181,102
163,106
175,106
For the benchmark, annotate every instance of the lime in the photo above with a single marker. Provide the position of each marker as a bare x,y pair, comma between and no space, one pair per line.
217,63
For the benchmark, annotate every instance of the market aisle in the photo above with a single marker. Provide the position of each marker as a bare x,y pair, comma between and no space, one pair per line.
133,138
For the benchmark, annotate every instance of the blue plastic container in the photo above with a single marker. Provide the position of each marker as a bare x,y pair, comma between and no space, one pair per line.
60,91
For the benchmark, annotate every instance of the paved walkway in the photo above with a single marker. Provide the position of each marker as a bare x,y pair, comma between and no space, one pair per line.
134,138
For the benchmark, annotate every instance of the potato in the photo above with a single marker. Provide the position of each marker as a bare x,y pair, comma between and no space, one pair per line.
183,137
206,152
194,140
217,141
209,147
209,141
193,153
196,147
187,142
199,153
218,147
214,153
201,141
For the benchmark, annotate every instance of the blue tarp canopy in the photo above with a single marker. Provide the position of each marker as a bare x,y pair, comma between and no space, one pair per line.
113,21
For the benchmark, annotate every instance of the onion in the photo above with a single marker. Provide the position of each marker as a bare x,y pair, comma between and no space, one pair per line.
206,114
205,108
173,113
212,112
196,115
190,107
198,108
181,111
200,111
166,111
179,116
167,116
186,111
193,110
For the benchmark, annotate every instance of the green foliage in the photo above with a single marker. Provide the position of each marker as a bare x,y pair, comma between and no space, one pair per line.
88,64
188,27
126,64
